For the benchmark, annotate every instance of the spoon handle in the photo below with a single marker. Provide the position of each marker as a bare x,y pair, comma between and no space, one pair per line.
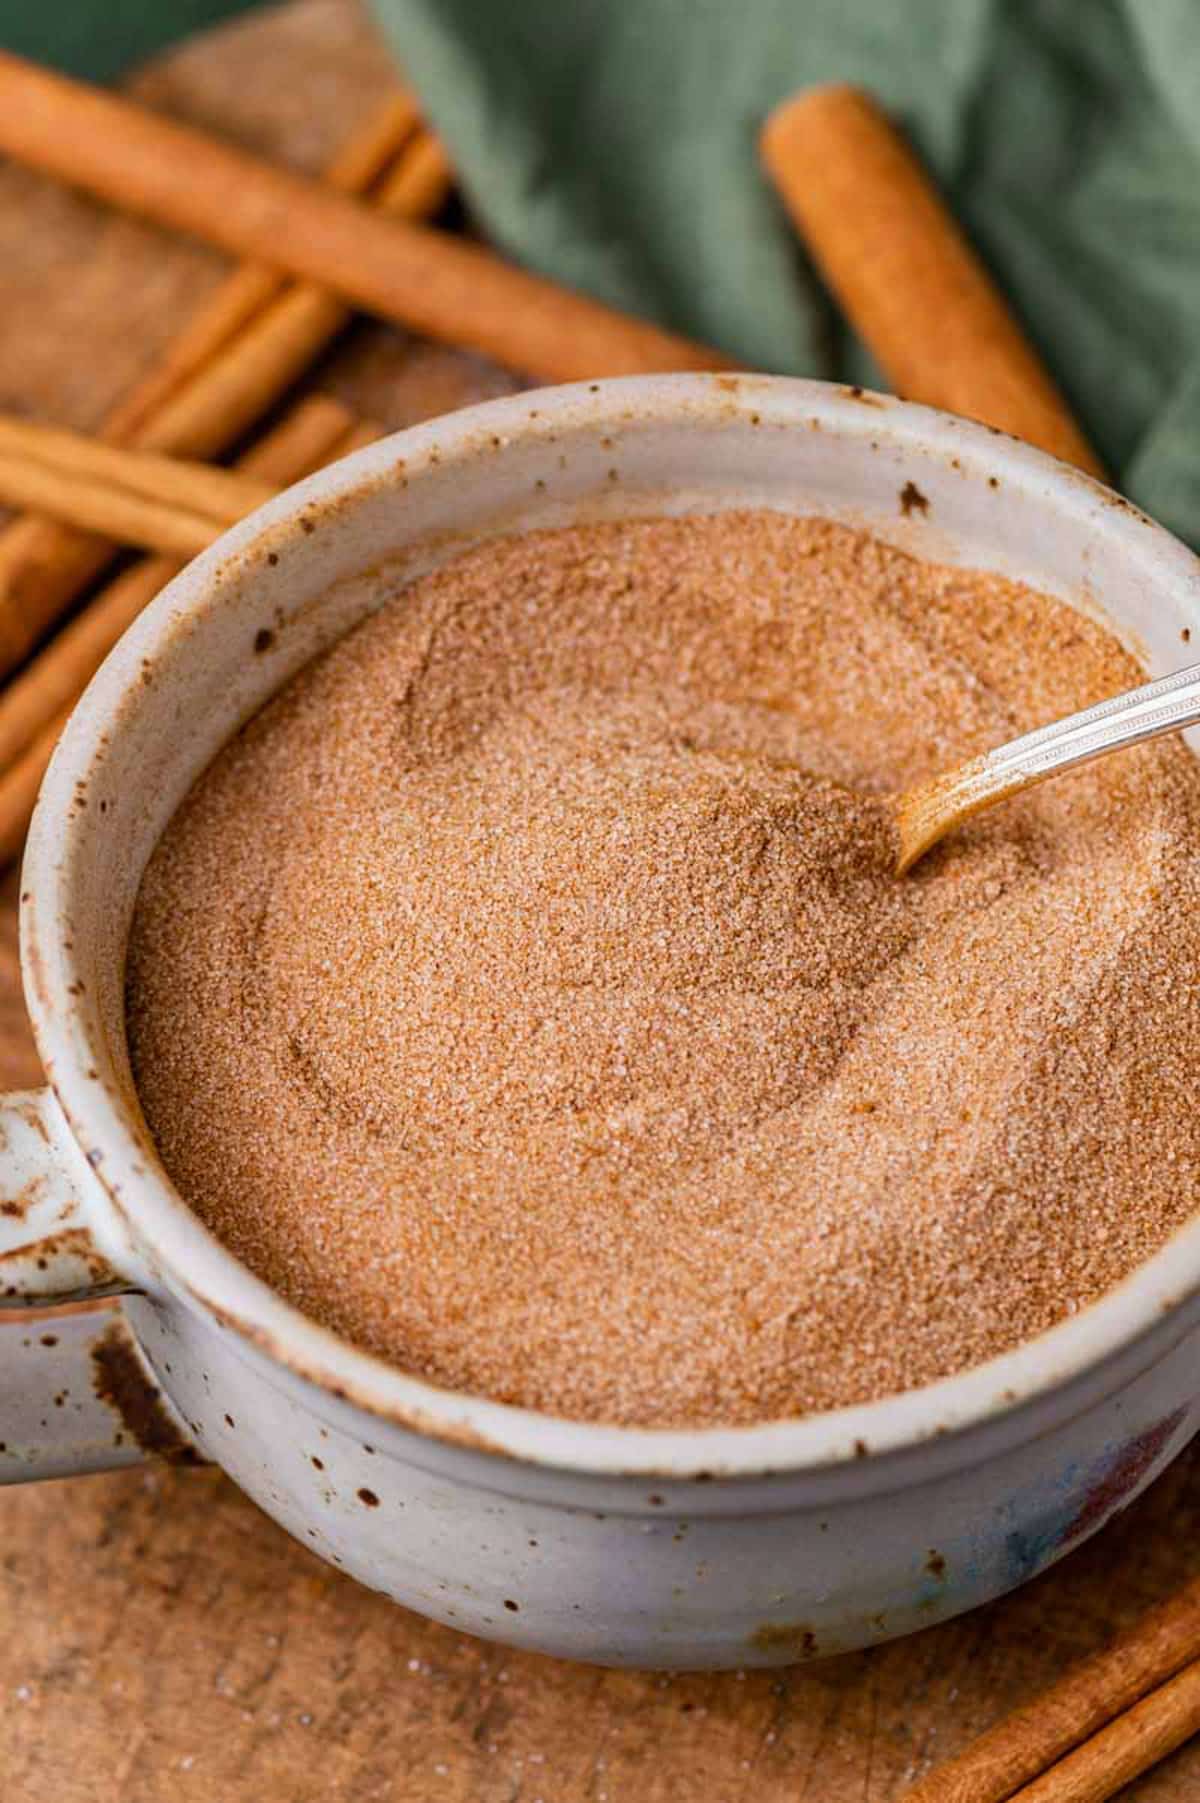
924,815
1167,705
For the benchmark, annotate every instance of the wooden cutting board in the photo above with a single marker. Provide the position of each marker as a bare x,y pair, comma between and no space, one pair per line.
162,1640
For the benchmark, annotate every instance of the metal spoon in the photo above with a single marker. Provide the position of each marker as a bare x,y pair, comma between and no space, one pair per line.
927,813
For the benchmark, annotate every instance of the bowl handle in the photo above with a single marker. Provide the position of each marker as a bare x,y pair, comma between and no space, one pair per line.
75,1391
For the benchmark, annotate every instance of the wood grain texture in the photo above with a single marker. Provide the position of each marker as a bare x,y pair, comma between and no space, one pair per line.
163,1641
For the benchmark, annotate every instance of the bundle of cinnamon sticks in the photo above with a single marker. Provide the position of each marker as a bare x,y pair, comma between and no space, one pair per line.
229,365
314,252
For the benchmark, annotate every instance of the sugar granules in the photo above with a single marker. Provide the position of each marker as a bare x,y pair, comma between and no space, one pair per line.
526,995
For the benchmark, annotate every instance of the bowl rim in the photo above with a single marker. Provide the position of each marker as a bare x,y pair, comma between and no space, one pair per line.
195,1266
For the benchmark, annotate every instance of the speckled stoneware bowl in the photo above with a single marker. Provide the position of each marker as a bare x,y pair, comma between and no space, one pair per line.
722,1547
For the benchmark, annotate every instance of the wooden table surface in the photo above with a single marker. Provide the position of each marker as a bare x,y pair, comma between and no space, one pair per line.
161,1639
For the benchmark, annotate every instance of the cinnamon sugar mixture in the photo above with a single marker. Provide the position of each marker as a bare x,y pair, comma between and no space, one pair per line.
526,994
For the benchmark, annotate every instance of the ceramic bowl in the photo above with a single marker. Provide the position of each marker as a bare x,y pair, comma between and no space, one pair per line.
718,1547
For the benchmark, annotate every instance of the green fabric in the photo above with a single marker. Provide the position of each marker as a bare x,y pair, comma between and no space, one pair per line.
611,143
101,38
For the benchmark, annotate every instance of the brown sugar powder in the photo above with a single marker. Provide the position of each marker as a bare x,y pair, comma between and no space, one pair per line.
526,995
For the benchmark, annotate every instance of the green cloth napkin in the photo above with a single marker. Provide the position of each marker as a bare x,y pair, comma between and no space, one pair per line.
610,143
99,39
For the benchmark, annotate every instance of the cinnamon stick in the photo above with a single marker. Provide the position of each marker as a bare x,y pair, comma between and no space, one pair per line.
364,432
19,787
435,284
140,498
262,362
252,286
248,376
43,564
175,481
1022,1746
905,275
1129,1746
118,514
34,708
419,185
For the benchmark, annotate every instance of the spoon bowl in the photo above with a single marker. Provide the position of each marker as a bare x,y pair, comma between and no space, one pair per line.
927,812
